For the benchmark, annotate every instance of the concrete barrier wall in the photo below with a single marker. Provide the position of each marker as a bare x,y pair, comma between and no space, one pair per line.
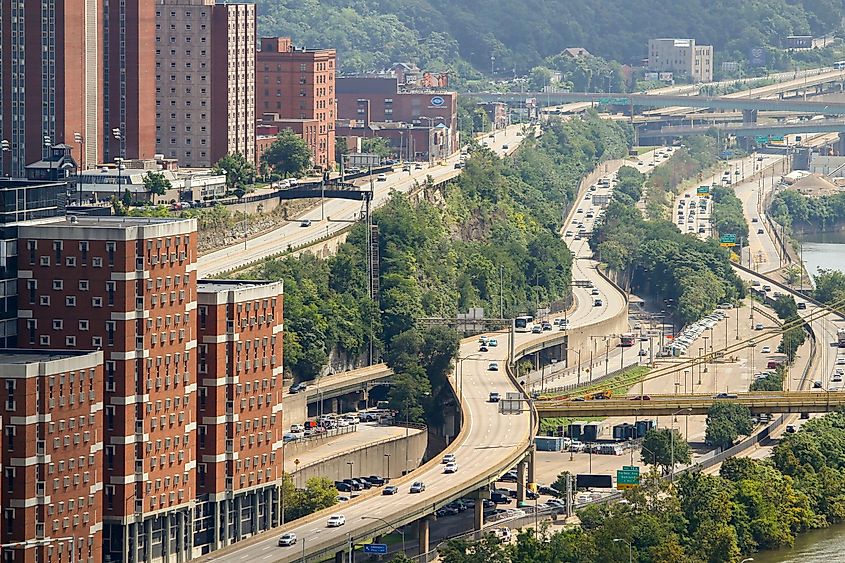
368,460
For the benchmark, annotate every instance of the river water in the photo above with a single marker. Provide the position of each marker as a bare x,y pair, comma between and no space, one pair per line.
821,251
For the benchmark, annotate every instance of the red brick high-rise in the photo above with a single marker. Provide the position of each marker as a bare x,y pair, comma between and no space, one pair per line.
126,286
51,81
298,84
240,432
52,479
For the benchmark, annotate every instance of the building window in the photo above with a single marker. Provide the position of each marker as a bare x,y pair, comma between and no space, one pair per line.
70,341
83,325
58,324
70,301
83,285
44,340
58,285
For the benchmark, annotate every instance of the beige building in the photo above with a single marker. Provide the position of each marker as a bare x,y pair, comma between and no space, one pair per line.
681,56
205,110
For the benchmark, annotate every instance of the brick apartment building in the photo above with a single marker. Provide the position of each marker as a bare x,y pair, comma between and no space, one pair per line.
52,477
298,86
127,286
240,433
204,80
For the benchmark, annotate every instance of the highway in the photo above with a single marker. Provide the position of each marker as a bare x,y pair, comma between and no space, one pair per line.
335,215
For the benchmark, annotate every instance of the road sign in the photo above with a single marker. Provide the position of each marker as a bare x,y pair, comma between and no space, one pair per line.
628,477
703,191
379,548
761,139
614,101
727,240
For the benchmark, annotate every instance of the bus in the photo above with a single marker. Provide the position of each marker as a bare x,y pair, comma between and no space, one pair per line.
627,339
523,323
839,65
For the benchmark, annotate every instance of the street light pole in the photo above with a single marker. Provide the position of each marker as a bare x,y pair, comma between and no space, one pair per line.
630,548
672,443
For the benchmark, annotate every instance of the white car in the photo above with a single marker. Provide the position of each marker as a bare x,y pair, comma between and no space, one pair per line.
287,539
766,349
448,458
336,521
840,361
451,467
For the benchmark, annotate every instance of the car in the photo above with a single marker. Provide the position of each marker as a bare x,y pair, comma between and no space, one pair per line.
569,233
418,166
790,429
536,329
767,287
494,397
766,349
363,482
492,343
594,291
482,348
643,352
758,326
297,428
297,387
417,487
598,303
288,437
336,521
305,223
492,366
287,539
836,378
644,338
354,484
840,361
641,398
724,396
802,305
446,511
451,468
448,458
343,498
759,159
817,385
376,480
381,177
510,477
406,168
505,147
759,231
547,326
390,490
754,219
500,498
556,503
459,165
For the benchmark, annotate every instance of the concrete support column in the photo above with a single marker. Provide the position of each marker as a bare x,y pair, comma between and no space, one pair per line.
841,143
148,539
225,531
338,557
136,547
189,540
531,464
166,523
268,508
423,534
479,515
180,536
749,116
520,481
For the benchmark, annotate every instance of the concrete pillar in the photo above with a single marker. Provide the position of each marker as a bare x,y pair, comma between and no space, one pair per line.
531,465
841,146
166,523
520,481
225,507
338,557
136,547
749,116
180,536
148,539
479,515
268,508
189,540
423,534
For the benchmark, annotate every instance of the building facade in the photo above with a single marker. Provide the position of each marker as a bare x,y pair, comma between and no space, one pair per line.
52,479
126,286
129,46
681,56
299,84
241,431
51,83
203,110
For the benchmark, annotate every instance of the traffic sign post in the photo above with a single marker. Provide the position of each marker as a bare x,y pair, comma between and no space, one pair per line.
703,191
628,477
376,548
727,240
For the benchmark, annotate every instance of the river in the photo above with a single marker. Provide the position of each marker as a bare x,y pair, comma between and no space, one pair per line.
824,251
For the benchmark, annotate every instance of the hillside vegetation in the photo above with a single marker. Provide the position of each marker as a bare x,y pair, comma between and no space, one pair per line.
462,36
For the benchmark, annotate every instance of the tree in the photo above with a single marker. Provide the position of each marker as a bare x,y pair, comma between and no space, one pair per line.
156,184
289,154
662,446
377,145
238,170
539,78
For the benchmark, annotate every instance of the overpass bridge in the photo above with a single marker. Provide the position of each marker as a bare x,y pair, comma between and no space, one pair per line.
748,129
662,100
795,402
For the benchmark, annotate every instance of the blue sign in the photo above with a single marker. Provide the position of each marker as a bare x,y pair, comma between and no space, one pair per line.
757,56
437,101
379,548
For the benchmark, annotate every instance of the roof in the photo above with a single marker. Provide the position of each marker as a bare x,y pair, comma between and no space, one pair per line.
576,52
212,286
815,185
114,221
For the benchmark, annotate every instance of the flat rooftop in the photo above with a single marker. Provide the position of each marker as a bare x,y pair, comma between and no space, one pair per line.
24,356
113,222
215,286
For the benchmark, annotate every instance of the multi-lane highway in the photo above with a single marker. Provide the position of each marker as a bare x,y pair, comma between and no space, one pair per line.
334,215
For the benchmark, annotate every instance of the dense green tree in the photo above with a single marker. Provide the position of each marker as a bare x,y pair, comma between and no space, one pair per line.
663,446
377,145
238,170
288,155
156,184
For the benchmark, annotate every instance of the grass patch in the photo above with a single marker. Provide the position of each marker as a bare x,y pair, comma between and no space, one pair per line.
643,150
549,426
619,384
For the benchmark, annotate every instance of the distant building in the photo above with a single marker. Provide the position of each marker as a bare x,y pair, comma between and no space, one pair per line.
271,125
681,56
799,42
378,100
497,112
102,184
407,74
296,88
205,80
576,53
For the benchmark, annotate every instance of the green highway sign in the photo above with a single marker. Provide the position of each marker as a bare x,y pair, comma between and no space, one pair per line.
727,238
778,138
761,139
703,191
628,477
614,101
